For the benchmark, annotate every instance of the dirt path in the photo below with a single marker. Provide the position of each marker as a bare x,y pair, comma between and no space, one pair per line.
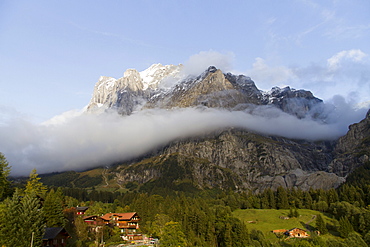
105,177
308,222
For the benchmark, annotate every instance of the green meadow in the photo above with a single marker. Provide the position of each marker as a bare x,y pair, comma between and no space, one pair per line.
267,220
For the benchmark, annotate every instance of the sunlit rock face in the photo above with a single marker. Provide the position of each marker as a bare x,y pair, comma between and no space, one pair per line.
353,149
131,91
230,158
166,87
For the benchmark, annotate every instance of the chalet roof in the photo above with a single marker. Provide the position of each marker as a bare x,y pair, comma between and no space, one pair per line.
82,208
279,230
52,232
121,216
89,217
107,216
295,228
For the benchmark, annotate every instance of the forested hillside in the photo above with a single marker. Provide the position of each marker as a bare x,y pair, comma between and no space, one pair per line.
202,218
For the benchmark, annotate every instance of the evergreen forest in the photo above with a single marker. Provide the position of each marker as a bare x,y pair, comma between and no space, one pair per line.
200,218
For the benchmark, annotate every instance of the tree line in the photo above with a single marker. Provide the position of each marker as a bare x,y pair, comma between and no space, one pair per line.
180,219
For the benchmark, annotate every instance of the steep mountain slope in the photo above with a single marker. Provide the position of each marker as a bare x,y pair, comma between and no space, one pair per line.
213,89
353,149
237,159
133,89
228,158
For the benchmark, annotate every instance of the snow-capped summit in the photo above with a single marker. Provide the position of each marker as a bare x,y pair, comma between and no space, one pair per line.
212,88
153,75
130,89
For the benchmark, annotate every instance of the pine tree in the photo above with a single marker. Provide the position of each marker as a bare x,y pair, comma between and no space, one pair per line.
290,214
307,200
81,230
321,225
295,213
53,209
265,201
9,221
33,224
345,227
173,235
282,198
355,239
34,185
271,197
4,173
332,196
22,220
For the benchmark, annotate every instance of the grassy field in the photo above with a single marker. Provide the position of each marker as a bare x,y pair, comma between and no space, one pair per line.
267,220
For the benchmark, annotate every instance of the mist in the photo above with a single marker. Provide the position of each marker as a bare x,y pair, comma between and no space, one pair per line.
197,63
80,141
77,140
346,74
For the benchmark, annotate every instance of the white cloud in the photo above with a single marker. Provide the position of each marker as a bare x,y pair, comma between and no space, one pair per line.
63,118
89,140
80,141
266,76
345,73
350,55
198,63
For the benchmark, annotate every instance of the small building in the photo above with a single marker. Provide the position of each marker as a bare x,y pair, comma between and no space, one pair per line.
55,237
93,220
297,233
127,222
279,231
81,210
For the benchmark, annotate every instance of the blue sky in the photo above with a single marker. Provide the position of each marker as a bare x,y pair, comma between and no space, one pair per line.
53,52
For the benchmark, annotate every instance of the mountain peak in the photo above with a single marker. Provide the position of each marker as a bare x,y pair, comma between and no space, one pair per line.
163,86
212,69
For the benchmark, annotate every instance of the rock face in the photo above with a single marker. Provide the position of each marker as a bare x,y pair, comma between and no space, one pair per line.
213,89
230,158
242,160
130,92
353,149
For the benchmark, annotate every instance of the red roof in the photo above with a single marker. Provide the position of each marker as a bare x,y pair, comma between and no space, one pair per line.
121,216
107,216
89,217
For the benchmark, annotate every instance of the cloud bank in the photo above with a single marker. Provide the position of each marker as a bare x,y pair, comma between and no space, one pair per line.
88,140
345,73
196,64
76,140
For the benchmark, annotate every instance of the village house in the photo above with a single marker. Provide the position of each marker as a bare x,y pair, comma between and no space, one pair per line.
279,232
93,220
55,237
297,233
292,233
127,222
81,210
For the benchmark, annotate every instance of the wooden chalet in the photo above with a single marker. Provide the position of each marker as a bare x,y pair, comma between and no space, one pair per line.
279,231
297,233
55,237
93,220
81,210
127,222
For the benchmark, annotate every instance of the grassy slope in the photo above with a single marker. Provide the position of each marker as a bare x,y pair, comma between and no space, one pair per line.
269,219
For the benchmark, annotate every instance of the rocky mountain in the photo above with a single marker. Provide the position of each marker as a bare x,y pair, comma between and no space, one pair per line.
132,90
213,89
228,158
353,149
